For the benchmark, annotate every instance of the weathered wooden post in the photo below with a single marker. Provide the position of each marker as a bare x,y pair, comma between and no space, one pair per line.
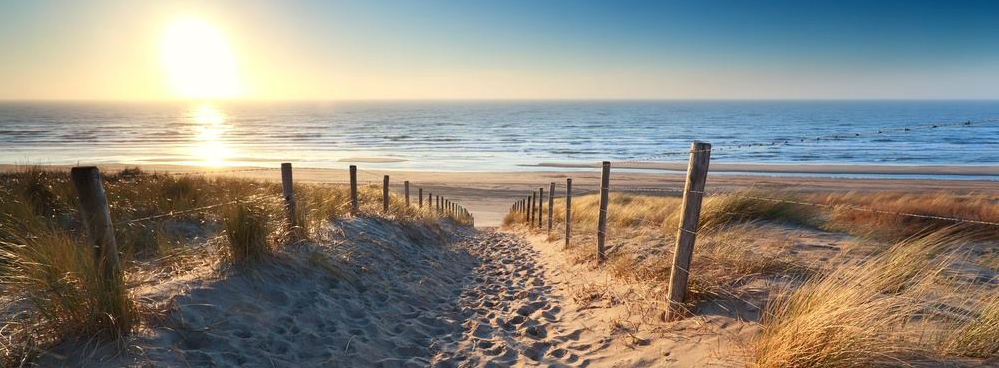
288,189
97,222
693,193
353,190
530,219
551,206
602,219
568,210
527,206
405,185
438,207
385,194
419,196
541,207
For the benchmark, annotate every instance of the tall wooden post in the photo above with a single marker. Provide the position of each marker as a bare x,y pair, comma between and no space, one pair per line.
385,194
353,190
551,206
693,193
568,210
602,219
97,222
541,206
405,186
419,196
288,189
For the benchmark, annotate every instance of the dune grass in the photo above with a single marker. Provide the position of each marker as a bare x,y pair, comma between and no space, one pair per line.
875,312
891,227
884,309
978,336
246,229
49,279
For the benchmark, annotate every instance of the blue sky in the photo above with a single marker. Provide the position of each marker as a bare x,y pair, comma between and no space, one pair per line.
519,49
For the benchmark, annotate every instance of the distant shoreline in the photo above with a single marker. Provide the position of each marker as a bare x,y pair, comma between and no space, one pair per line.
982,170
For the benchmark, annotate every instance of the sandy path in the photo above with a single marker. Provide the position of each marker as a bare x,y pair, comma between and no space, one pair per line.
513,316
519,312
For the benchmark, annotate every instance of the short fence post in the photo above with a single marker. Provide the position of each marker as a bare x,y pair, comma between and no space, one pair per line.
602,219
405,186
353,190
97,221
541,206
693,193
288,189
419,195
568,210
551,206
530,221
385,196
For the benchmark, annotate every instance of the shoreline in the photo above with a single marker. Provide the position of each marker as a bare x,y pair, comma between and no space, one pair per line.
869,169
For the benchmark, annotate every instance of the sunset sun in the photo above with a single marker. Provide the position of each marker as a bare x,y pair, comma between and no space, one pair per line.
198,61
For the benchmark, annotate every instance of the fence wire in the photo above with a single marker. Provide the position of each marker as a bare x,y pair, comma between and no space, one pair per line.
253,198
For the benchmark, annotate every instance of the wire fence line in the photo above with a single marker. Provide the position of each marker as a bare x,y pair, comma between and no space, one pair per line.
253,198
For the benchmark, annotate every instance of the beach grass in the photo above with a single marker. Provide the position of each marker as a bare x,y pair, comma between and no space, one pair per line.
49,275
891,305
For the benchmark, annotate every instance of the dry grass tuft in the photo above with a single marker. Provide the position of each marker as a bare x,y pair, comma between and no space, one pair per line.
56,275
247,229
893,227
978,336
857,315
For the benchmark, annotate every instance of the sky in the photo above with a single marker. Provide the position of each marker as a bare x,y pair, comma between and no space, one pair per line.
511,49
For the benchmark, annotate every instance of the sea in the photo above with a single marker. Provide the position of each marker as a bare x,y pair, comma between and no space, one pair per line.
497,136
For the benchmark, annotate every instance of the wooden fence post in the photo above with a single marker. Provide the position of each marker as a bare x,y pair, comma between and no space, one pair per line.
419,196
353,190
693,193
602,219
405,185
568,210
551,206
530,221
288,189
526,211
97,221
385,194
541,206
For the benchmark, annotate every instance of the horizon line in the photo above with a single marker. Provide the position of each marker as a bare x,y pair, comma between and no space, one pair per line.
502,99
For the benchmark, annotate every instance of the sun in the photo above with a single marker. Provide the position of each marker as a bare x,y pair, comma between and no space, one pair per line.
198,61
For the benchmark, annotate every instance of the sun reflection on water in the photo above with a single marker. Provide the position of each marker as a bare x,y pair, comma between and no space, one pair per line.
209,146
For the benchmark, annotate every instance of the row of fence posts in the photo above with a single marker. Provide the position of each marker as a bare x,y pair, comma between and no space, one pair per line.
96,215
531,209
